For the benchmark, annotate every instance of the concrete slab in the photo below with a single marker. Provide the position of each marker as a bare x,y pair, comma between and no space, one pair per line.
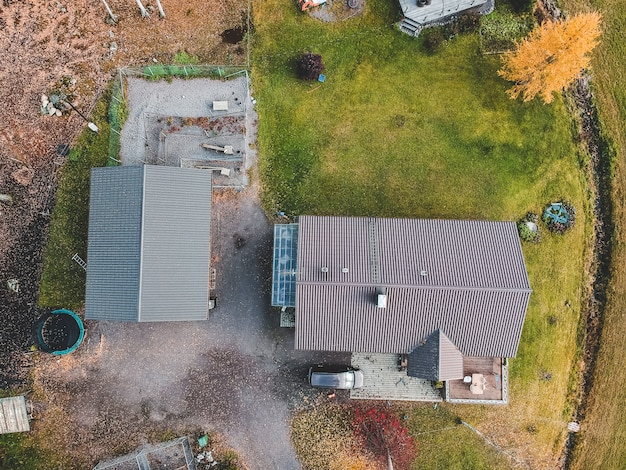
383,381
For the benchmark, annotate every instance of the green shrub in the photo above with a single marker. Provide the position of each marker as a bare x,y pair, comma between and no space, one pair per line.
499,31
528,228
433,40
183,58
310,66
465,23
522,6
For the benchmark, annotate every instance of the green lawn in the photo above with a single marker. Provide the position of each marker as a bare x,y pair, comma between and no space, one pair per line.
444,443
397,132
63,280
602,442
28,451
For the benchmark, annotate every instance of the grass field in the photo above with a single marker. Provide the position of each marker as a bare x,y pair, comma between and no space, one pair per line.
438,428
325,434
603,436
63,280
400,133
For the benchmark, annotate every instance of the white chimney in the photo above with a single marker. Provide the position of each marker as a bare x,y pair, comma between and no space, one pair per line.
381,295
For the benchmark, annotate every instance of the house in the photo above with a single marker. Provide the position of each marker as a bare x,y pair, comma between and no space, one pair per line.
442,293
418,14
149,244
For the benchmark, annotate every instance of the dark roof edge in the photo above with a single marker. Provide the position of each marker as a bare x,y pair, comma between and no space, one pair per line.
521,329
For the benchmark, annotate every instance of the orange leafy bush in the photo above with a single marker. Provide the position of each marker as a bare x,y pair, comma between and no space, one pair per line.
551,57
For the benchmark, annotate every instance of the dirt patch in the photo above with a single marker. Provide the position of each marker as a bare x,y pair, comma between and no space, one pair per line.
233,36
23,175
599,182
22,229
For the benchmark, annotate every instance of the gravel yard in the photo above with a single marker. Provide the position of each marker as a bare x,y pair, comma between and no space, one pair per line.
71,47
169,121
236,373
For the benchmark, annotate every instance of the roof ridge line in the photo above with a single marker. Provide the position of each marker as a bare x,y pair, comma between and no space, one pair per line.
412,286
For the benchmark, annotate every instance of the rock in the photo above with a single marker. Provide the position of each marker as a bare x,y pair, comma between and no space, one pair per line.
111,34
23,175
44,110
6,199
14,285
52,111
44,100
59,113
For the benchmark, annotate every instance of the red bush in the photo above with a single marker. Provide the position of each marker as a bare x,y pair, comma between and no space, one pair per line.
381,432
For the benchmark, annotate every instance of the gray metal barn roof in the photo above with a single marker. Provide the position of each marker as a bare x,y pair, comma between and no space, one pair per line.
149,244
467,278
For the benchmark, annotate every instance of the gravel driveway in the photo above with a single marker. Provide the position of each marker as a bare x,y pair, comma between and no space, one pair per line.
236,373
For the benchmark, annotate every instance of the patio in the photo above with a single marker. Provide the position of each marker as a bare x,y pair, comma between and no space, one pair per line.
495,374
383,381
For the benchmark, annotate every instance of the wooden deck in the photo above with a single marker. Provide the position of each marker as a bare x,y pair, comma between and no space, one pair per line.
13,415
438,12
437,9
496,387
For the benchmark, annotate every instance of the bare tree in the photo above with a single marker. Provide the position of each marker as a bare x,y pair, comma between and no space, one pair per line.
161,12
106,5
144,12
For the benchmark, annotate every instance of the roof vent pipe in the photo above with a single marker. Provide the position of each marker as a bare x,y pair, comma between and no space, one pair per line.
324,269
344,270
381,297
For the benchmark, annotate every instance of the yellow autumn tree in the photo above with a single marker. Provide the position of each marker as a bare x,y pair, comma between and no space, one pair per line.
551,57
